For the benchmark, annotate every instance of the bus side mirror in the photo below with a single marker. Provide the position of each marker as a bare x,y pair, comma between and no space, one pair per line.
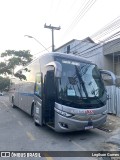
58,68
49,85
109,73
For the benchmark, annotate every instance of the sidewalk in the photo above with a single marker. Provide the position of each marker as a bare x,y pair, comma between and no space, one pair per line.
112,124
112,127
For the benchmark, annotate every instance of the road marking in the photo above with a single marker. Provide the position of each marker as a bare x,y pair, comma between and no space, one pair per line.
20,123
5,105
76,144
31,137
83,149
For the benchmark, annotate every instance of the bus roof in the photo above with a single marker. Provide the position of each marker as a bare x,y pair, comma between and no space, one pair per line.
64,55
61,55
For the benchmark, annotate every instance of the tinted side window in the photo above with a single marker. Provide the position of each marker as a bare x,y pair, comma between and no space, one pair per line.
38,91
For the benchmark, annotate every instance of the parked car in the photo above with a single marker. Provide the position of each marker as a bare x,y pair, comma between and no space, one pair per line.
1,94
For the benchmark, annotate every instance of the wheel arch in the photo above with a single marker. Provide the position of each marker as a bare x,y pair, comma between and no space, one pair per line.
32,109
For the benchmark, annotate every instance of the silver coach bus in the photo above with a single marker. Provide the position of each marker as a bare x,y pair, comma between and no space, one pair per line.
64,92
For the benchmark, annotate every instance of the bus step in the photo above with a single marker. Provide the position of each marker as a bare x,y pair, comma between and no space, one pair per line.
50,124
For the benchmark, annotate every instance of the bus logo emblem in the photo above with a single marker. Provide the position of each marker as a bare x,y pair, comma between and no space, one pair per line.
89,112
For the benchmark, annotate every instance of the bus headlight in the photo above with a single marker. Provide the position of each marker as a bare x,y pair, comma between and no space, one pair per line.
64,113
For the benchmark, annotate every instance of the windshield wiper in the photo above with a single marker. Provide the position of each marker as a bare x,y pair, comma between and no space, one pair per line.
81,81
98,99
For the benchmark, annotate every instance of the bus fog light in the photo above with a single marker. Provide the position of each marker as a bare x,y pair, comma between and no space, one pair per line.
62,124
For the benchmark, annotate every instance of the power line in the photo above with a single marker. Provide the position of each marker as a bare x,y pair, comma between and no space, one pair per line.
85,10
104,28
107,29
81,13
107,32
41,51
112,36
76,17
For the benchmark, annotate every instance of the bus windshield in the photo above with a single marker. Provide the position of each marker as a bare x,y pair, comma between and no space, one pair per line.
80,84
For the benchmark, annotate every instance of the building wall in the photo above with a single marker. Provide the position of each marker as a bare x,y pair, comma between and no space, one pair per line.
111,50
108,63
76,46
73,46
82,47
111,47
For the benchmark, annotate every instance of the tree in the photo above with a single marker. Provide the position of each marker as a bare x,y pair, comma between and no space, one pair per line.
4,83
14,59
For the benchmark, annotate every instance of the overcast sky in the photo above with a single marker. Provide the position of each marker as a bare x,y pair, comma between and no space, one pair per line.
27,17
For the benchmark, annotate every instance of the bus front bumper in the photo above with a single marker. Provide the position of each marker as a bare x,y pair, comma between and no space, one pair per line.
64,124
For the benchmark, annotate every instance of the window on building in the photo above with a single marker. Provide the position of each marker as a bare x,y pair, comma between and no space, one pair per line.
68,49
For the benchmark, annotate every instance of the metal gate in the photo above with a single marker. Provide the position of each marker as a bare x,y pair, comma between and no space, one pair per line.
113,103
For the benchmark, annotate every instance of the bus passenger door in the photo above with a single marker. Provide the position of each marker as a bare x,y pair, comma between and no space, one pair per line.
38,100
49,101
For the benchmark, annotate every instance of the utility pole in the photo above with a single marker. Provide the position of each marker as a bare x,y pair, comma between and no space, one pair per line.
52,28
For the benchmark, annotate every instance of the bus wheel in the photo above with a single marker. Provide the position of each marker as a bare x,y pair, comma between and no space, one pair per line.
13,106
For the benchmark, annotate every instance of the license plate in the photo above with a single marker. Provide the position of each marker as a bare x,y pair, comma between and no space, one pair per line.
88,127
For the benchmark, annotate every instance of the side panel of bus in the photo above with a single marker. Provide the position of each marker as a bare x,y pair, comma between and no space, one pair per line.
26,94
22,91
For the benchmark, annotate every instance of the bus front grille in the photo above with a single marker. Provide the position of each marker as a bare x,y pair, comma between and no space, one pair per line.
87,117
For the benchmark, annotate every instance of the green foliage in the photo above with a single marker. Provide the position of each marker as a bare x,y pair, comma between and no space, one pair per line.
4,68
20,76
14,59
4,83
17,57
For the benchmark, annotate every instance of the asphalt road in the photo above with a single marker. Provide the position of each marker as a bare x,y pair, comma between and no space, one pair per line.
18,133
